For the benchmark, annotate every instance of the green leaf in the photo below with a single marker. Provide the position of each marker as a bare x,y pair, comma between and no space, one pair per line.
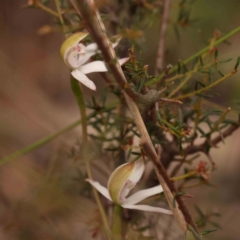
199,211
136,153
177,34
180,147
195,60
230,122
201,61
194,232
179,67
220,73
209,231
226,60
216,54
237,63
45,2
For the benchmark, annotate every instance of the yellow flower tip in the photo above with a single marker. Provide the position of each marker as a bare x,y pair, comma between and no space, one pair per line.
70,42
123,179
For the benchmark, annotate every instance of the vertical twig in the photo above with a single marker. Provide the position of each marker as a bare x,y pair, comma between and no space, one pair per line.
161,43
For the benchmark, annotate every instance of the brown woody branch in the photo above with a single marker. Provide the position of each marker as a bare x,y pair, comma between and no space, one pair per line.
202,147
172,148
163,28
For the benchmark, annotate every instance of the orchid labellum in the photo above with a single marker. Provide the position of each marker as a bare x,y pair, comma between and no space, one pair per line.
121,181
75,55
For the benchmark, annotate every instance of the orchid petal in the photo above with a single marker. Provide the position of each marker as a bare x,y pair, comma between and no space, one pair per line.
122,61
92,47
147,208
83,79
143,194
117,40
74,55
137,172
84,58
98,66
95,66
100,188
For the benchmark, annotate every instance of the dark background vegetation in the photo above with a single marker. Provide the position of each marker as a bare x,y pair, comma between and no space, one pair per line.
39,192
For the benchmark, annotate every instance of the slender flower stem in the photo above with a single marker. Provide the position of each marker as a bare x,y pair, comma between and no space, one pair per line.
77,91
117,222
199,53
46,9
76,88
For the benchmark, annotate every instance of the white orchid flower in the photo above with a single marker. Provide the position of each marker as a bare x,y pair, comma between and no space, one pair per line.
75,55
121,181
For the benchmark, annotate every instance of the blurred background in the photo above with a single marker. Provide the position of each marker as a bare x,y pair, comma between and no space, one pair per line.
39,192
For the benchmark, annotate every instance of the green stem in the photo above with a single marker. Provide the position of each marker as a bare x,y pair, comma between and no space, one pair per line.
195,70
59,12
46,9
199,53
38,144
192,173
182,84
77,91
220,120
117,222
206,88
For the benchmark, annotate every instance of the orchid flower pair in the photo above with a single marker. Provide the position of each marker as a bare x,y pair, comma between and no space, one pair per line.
75,55
122,181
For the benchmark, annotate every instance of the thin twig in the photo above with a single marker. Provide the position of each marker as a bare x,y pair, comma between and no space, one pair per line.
46,9
202,147
207,87
161,43
199,53
166,72
75,8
